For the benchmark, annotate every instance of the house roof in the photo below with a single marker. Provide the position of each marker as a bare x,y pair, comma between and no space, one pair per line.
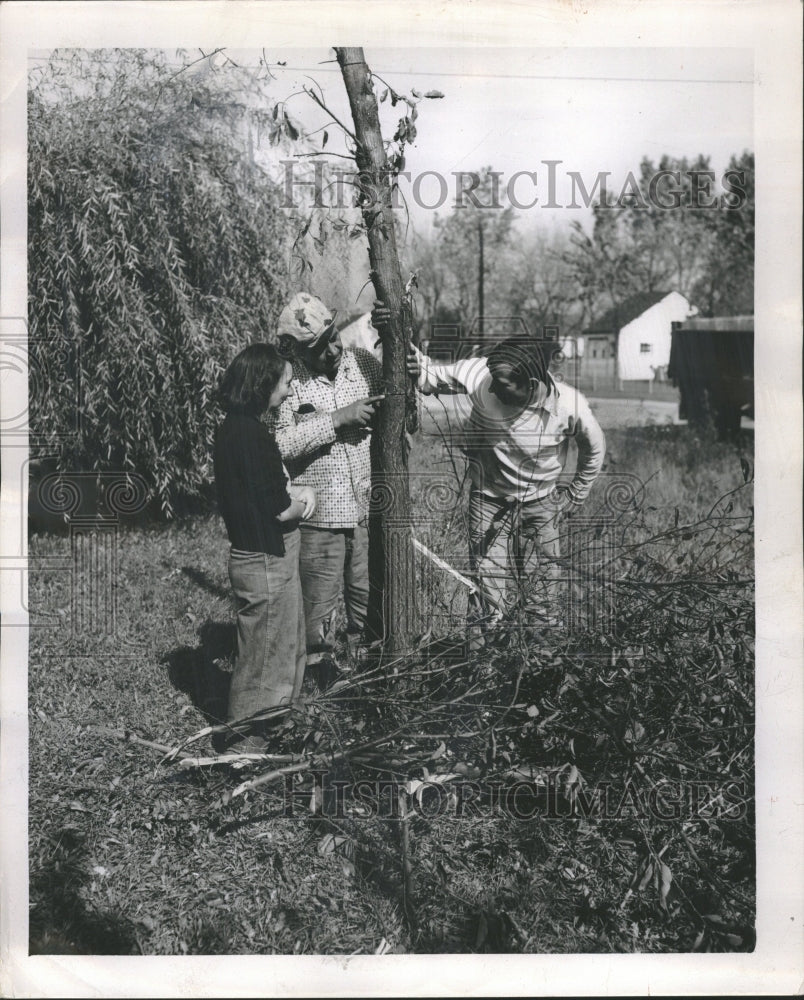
615,319
719,324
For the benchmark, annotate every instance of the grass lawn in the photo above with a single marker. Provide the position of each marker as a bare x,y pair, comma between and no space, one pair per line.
132,854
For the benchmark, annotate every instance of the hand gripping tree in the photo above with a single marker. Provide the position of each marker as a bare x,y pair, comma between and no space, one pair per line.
392,614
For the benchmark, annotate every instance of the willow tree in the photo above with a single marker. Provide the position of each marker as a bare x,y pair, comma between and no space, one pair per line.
155,252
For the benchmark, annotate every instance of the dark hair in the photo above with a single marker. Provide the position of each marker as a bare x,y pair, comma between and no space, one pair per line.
525,358
250,379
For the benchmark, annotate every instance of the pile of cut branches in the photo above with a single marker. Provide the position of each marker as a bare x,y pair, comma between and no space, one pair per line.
642,732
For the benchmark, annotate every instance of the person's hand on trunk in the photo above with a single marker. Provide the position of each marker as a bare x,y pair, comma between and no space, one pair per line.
357,414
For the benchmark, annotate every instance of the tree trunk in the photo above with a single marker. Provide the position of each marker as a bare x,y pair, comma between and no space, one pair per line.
392,604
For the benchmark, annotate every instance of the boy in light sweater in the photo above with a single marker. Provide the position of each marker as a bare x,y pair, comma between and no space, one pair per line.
517,439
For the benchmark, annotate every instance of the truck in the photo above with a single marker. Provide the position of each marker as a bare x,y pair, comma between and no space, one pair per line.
712,365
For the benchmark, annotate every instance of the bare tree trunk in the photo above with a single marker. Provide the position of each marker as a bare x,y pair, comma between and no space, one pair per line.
392,604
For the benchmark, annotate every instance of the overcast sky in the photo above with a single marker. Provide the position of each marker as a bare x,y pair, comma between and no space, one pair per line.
593,109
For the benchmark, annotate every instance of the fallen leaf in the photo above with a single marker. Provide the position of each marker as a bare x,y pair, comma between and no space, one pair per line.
646,877
329,842
667,878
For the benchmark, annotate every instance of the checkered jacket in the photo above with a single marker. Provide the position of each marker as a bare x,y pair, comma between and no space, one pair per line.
336,463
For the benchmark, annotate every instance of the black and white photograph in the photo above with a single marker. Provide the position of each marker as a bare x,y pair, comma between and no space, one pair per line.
401,507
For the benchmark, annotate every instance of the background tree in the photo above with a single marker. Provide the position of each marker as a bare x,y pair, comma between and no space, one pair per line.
429,262
678,234
471,238
156,250
539,284
726,285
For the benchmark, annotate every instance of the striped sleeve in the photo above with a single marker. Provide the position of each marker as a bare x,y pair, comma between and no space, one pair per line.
591,450
461,377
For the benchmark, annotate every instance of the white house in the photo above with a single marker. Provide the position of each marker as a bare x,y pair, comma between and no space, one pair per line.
632,341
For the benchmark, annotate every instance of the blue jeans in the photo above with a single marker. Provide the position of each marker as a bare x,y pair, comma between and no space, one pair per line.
333,560
269,668
515,553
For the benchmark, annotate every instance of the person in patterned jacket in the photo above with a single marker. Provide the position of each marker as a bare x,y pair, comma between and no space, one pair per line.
323,430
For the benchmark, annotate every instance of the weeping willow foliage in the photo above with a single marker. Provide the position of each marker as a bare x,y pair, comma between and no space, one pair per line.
156,250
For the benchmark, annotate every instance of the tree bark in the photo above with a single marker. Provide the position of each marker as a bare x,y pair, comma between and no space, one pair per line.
392,598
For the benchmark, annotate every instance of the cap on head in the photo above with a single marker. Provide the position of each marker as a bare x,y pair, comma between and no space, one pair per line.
306,319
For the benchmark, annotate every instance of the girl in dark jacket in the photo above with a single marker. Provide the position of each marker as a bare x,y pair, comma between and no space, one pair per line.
262,514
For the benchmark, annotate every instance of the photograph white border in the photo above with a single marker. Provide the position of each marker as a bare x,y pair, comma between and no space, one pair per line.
773,30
